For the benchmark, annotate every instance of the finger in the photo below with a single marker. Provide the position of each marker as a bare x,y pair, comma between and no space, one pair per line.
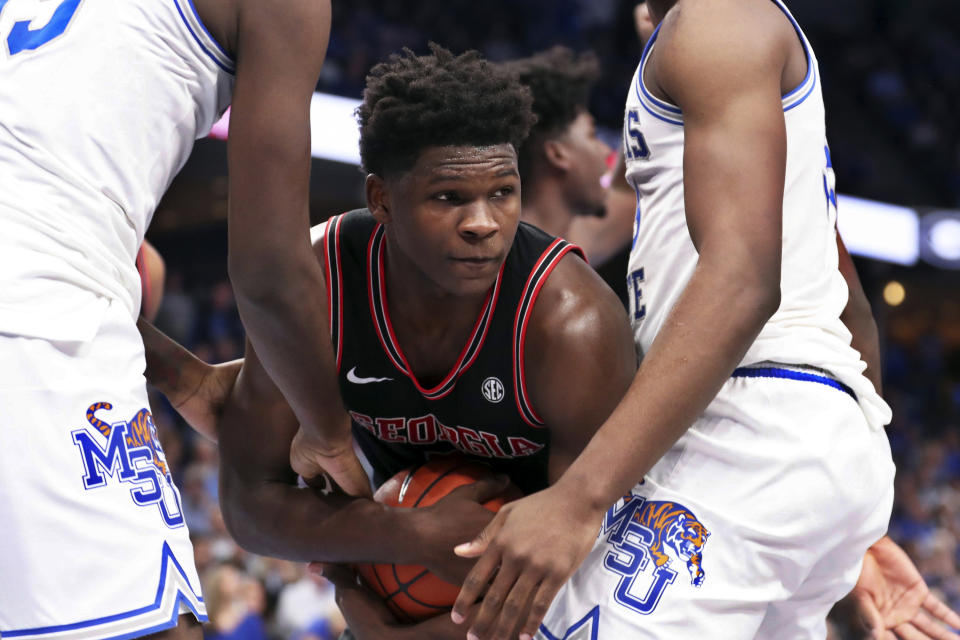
346,471
541,604
869,615
484,489
932,628
516,606
941,611
907,631
491,609
479,544
473,585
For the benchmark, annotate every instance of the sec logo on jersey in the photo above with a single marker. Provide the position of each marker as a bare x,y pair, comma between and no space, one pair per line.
492,389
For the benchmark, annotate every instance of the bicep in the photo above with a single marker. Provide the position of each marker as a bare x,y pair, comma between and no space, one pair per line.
735,140
581,358
281,49
734,167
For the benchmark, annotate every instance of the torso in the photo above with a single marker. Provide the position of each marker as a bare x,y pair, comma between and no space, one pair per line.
806,329
478,406
111,97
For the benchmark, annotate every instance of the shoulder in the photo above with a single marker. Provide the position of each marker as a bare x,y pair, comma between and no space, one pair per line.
576,311
358,223
721,44
283,30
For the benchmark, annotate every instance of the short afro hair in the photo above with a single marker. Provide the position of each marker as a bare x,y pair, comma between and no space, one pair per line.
561,82
414,102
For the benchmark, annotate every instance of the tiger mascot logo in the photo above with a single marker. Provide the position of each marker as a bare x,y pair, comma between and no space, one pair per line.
678,530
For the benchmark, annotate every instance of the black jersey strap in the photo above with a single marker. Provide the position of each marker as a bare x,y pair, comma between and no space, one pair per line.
538,276
333,274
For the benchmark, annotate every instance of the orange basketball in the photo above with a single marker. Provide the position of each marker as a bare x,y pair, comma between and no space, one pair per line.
411,592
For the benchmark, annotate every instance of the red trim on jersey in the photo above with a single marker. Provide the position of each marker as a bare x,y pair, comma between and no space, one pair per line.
520,393
459,366
373,308
328,267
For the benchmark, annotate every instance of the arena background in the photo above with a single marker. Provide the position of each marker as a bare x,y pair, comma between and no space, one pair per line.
891,80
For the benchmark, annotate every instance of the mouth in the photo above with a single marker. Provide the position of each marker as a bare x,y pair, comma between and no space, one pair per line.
476,264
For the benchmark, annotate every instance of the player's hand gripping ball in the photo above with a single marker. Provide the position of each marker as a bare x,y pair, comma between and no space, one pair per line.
412,592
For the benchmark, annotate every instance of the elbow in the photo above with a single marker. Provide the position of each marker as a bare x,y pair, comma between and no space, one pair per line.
239,517
769,297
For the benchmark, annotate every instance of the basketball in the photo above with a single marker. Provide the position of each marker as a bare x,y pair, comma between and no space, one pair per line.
411,592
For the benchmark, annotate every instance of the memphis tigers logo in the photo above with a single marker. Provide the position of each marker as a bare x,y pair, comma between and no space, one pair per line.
647,536
129,452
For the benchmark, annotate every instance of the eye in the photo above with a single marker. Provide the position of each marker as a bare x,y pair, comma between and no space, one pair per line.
447,196
503,191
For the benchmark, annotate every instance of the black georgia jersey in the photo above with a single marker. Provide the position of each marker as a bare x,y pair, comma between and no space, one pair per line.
481,408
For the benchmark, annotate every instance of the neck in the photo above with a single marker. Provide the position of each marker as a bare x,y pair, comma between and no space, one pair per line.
420,303
545,207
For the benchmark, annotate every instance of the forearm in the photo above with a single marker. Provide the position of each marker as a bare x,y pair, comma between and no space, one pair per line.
171,368
705,337
288,327
279,519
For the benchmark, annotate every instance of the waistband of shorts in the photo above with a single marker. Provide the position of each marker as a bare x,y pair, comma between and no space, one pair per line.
804,373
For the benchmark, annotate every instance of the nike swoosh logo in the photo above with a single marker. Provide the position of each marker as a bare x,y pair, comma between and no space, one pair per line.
355,379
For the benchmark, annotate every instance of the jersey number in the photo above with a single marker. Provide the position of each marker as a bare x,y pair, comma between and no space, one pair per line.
634,145
24,38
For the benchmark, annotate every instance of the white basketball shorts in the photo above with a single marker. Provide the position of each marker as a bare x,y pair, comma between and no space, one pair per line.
93,542
751,526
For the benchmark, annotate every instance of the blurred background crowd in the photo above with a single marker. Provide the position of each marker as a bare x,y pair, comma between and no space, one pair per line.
892,89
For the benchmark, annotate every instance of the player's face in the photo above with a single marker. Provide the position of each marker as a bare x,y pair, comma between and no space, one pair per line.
583,187
454,215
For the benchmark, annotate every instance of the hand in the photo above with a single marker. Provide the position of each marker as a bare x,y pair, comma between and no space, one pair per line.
456,517
894,602
311,458
527,553
369,619
203,407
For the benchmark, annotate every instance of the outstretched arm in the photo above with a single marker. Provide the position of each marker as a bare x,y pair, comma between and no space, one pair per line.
277,279
194,388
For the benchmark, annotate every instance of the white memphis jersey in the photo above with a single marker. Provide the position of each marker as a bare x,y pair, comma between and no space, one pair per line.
806,329
101,103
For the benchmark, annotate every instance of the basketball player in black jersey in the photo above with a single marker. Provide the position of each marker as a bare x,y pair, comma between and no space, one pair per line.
456,329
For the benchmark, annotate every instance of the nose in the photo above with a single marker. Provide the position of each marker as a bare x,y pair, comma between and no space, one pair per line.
478,221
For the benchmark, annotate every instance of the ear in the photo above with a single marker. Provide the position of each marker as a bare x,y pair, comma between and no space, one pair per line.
557,155
378,201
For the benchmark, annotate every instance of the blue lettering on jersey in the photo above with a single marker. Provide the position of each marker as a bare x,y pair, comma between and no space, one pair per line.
131,454
830,186
23,38
634,144
646,534
635,287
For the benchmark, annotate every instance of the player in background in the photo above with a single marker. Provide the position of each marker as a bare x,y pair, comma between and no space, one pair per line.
456,327
102,104
563,162
764,470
